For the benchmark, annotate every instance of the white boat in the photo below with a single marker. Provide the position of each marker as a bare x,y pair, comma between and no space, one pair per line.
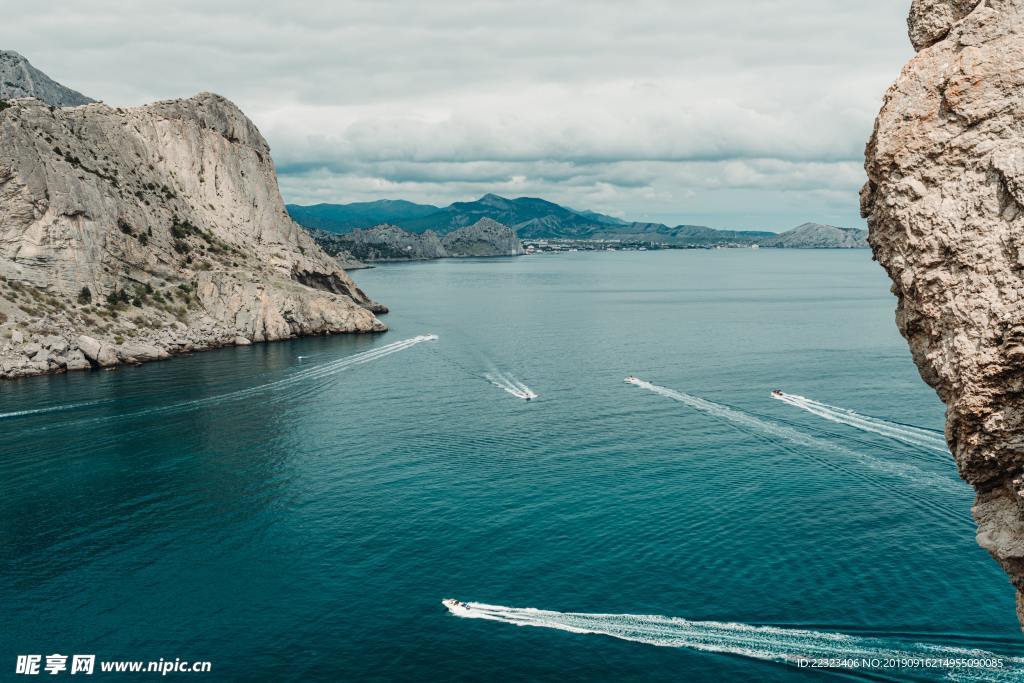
455,606
632,380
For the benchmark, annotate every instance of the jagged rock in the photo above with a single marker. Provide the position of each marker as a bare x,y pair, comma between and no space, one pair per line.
31,349
169,212
241,341
945,206
17,337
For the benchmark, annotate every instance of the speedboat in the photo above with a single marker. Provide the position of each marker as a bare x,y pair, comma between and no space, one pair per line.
632,380
454,605
777,393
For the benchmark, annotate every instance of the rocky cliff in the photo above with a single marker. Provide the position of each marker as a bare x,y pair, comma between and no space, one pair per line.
133,234
391,243
18,78
945,205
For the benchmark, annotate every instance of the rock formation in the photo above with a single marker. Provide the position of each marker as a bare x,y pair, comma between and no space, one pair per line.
131,234
391,243
484,238
818,236
945,205
18,78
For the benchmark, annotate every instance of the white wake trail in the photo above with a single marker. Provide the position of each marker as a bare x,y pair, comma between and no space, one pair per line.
737,417
914,436
769,643
510,384
50,409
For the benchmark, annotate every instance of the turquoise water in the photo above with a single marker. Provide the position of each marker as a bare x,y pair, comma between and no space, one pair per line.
286,515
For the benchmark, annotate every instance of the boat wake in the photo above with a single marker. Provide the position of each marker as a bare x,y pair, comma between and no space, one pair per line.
914,436
903,470
50,409
506,382
301,379
768,643
313,373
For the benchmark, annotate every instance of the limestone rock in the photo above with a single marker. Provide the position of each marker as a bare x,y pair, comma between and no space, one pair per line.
945,206
90,347
159,226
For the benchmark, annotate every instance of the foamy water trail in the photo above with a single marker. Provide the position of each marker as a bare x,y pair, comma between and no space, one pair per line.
903,470
49,409
914,436
312,373
769,643
510,384
300,378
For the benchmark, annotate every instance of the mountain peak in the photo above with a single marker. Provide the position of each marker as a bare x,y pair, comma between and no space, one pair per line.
18,78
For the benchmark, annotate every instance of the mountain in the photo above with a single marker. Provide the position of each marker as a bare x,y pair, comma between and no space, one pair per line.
392,243
529,217
818,236
134,234
346,217
18,78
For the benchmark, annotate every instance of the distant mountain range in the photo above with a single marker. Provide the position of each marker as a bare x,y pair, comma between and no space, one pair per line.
534,218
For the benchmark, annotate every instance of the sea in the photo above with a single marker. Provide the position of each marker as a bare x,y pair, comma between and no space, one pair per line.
298,510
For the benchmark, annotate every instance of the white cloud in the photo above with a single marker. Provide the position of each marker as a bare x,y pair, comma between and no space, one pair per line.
750,113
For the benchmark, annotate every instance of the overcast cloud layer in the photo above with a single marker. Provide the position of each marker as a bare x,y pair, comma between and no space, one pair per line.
752,113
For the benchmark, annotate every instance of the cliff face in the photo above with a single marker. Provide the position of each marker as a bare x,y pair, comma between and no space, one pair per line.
391,243
945,205
150,231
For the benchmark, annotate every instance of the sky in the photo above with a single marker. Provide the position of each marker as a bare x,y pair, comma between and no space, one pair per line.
743,114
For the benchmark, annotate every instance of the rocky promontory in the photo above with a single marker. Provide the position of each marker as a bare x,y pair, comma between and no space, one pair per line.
817,236
391,243
131,234
945,205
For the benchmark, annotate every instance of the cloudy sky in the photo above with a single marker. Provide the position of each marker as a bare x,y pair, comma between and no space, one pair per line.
750,113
